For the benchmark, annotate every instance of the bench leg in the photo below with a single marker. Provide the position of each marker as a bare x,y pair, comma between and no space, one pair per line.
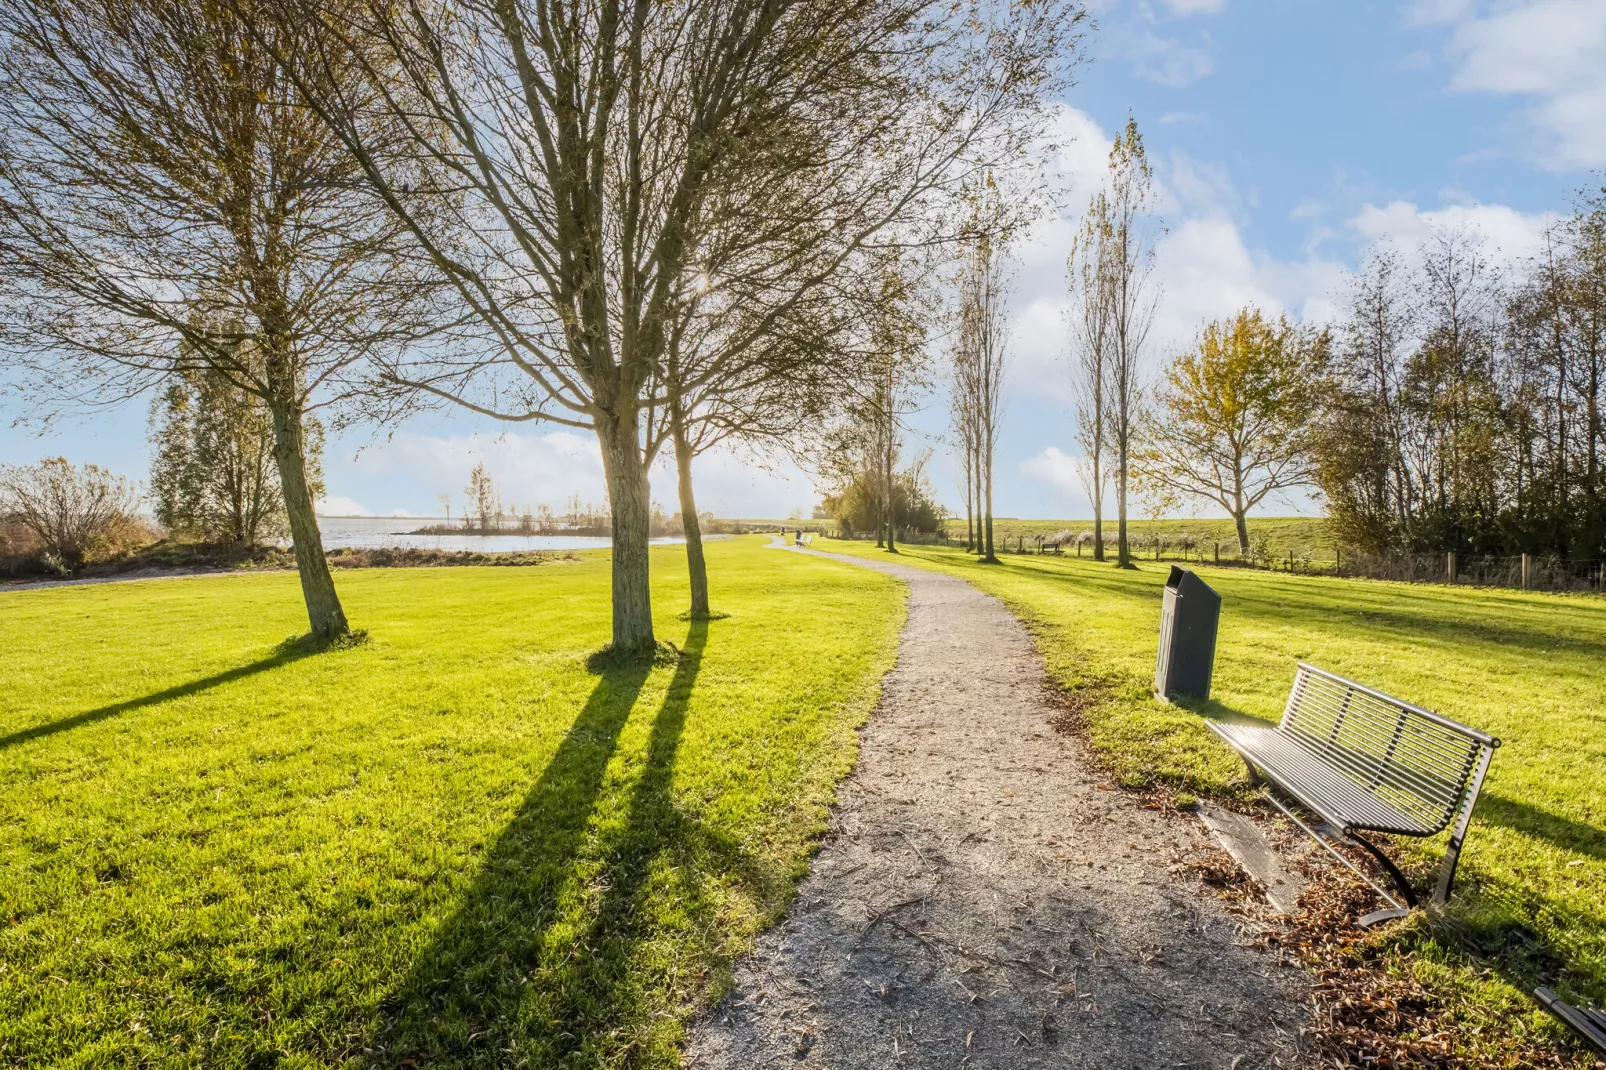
1391,869
1458,835
1254,774
1452,857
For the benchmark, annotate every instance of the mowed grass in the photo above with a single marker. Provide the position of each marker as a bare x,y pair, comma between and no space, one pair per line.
454,845
1529,668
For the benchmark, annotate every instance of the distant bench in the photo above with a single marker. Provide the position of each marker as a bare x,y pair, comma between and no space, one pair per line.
1366,761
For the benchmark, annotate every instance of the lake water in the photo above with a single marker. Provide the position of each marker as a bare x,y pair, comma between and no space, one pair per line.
395,532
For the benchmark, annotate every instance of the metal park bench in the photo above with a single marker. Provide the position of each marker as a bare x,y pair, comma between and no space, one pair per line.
1365,761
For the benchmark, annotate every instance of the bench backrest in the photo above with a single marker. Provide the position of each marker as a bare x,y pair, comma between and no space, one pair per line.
1411,757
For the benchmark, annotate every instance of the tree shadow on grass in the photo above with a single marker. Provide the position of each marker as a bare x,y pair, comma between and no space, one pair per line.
542,961
283,655
1416,618
1561,832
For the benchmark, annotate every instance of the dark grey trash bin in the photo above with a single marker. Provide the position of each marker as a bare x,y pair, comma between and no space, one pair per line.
1188,619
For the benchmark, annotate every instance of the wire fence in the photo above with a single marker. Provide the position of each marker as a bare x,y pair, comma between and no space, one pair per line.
1529,572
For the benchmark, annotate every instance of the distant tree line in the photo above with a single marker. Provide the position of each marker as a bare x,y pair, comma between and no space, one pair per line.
213,476
859,504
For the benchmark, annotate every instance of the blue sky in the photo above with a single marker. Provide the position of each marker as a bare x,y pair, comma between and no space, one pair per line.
1288,135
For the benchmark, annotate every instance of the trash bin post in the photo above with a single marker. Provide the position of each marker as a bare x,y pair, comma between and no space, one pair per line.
1190,613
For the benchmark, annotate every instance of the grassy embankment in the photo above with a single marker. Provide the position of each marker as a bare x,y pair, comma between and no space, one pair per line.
1300,535
1526,667
455,843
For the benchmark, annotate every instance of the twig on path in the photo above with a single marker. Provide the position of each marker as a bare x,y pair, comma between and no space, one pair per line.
931,938
878,915
916,850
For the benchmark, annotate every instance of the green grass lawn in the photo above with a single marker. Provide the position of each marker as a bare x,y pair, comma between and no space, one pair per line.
454,845
1529,668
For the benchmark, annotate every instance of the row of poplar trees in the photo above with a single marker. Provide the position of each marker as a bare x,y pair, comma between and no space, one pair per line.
664,224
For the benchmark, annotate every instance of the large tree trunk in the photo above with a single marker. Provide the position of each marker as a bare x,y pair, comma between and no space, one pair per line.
696,567
1241,520
325,616
629,498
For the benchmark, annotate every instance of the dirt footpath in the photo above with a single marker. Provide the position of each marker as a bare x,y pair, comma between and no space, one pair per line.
980,900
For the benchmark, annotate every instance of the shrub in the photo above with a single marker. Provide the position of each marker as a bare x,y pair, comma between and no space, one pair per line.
1260,550
74,513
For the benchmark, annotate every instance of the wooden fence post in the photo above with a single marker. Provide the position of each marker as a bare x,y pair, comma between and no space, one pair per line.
1218,553
1449,567
1525,572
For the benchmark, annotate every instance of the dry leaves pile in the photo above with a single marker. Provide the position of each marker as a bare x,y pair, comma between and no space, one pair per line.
1366,1010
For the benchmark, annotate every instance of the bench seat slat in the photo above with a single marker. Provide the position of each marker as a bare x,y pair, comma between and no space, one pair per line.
1338,799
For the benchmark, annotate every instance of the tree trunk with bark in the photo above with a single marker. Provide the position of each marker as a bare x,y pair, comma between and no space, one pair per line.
987,501
325,617
1123,550
696,566
1098,512
629,497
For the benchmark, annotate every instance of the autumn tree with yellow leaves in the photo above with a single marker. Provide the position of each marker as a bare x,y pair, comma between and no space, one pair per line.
1230,421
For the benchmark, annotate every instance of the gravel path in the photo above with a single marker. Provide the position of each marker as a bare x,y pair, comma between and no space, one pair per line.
981,901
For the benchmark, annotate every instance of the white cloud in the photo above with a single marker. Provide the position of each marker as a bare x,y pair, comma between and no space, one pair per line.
1510,234
1194,7
339,505
1167,61
526,468
1082,150
1058,470
1204,269
1200,187
1553,51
